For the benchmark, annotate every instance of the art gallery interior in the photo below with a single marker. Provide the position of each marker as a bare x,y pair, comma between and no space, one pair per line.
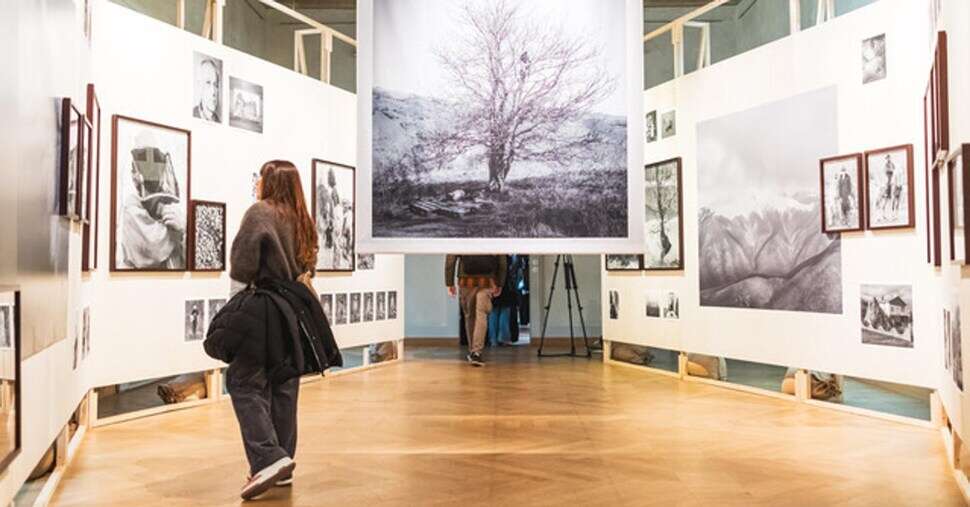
735,230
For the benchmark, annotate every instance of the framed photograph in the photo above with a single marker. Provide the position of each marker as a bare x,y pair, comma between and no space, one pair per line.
72,127
151,167
652,303
670,307
207,89
380,313
368,307
959,174
326,302
624,262
245,105
215,306
6,326
89,249
651,119
334,214
937,198
664,230
355,307
942,94
365,262
668,124
392,305
11,375
929,157
207,236
887,315
889,188
195,320
841,186
340,309
874,59
84,172
614,296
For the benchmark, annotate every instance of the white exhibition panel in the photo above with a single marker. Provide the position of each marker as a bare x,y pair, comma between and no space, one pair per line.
143,69
880,114
635,124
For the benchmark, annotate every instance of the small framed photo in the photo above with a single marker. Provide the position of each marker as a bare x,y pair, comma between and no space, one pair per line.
668,124
340,309
651,126
207,236
842,193
874,59
245,105
889,188
959,173
89,249
326,302
630,262
72,126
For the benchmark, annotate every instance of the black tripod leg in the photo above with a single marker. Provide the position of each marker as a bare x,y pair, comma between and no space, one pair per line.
569,304
579,305
545,317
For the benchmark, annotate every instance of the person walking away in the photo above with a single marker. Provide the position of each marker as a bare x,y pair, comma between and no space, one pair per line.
277,240
480,278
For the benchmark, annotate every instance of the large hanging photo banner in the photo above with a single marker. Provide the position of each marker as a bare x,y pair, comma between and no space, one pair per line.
500,125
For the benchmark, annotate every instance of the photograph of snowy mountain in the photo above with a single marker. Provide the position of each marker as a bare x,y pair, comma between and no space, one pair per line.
759,240
499,119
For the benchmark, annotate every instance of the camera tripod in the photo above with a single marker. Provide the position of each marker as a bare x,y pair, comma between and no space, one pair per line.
572,290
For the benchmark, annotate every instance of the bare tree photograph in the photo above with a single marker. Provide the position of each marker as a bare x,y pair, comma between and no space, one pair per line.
760,245
515,126
340,309
663,231
392,305
624,262
841,193
887,315
651,126
874,59
381,312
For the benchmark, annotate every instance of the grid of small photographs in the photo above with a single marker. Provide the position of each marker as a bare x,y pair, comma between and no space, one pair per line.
359,307
199,314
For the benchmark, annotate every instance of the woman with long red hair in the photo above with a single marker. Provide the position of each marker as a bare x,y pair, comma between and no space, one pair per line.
277,241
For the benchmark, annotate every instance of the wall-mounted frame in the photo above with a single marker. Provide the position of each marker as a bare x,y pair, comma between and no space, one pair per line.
151,168
10,376
70,159
958,171
333,195
614,262
89,250
942,103
207,236
842,191
889,188
928,161
84,172
663,197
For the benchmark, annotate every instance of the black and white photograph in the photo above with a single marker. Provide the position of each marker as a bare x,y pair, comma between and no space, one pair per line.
956,347
841,184
663,231
340,309
670,308
355,307
392,305
530,143
614,305
85,332
208,240
150,171
619,262
652,303
194,320
70,159
207,91
215,306
946,338
668,124
889,190
365,262
887,315
651,126
6,326
760,245
326,302
368,307
874,59
380,312
245,105
333,213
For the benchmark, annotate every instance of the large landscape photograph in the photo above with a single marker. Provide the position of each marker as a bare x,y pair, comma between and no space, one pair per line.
760,245
503,119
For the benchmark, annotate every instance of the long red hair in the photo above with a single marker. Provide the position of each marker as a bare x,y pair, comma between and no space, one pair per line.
280,186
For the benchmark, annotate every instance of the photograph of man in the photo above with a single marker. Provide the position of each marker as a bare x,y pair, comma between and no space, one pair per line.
208,88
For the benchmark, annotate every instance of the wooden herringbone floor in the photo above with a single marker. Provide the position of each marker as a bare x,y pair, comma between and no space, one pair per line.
433,431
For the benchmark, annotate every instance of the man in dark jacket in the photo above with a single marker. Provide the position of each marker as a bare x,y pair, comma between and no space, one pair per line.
480,278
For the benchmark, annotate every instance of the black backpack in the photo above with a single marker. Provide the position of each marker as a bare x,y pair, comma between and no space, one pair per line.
479,265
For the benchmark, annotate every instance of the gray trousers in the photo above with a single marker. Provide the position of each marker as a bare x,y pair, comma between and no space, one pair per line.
266,414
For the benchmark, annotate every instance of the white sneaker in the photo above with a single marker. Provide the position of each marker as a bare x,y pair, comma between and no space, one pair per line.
267,477
285,481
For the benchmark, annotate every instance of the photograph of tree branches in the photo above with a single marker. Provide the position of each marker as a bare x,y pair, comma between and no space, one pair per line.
499,119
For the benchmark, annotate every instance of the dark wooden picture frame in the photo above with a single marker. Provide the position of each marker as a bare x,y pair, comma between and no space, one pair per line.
16,342
942,102
937,233
66,205
910,199
680,216
860,191
963,168
193,235
606,264
928,160
114,193
89,250
84,172
313,210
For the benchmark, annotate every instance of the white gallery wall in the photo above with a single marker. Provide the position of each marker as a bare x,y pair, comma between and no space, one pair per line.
143,69
876,115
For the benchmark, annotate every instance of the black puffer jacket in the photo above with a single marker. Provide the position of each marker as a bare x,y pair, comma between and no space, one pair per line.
278,325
